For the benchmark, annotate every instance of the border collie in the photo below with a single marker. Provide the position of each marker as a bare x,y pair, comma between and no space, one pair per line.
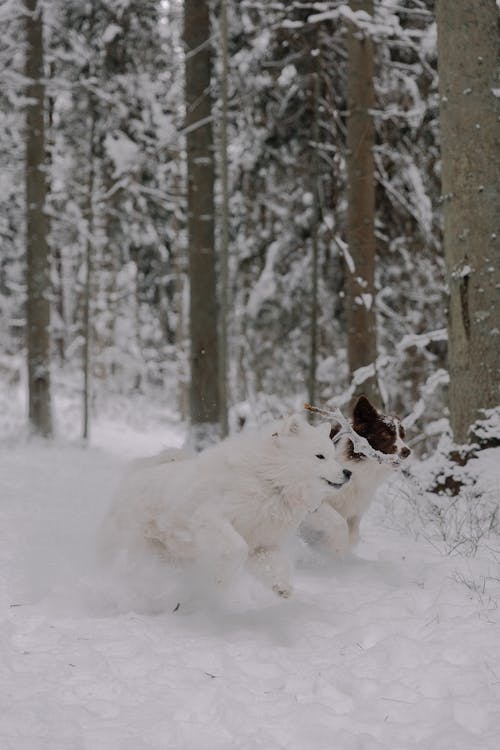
335,524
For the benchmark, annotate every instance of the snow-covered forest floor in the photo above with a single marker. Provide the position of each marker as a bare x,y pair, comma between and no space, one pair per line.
397,647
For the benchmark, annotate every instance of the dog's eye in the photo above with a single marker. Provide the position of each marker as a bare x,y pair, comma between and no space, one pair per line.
402,431
319,455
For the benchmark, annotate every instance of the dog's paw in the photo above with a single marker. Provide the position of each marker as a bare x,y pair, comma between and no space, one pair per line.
284,591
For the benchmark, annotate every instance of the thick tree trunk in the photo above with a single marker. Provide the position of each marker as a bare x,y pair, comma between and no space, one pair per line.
313,351
37,250
204,388
470,150
360,275
224,227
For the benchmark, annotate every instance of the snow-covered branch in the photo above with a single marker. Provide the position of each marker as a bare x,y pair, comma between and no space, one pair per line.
361,444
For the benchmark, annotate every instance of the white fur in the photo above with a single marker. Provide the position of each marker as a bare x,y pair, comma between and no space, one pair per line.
335,524
236,502
164,457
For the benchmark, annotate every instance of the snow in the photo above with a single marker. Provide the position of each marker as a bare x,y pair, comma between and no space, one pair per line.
122,151
422,204
422,340
111,32
364,300
386,26
437,378
396,647
347,255
266,284
462,271
343,11
287,76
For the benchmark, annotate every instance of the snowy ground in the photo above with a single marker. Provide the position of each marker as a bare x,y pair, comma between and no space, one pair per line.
396,648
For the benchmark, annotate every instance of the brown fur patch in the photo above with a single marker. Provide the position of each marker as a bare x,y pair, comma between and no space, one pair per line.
379,430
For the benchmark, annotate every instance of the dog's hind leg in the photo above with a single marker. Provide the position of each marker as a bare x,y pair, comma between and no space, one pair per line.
221,551
271,566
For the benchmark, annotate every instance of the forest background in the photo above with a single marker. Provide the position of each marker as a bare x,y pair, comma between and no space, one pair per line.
211,211
226,208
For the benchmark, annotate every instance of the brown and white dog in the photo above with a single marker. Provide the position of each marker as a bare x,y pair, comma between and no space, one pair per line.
335,524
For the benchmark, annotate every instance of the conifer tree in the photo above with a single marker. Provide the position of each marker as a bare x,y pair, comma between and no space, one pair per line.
468,63
37,249
360,272
204,389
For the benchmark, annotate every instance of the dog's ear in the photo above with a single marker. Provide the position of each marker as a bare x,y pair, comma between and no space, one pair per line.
325,429
364,412
293,425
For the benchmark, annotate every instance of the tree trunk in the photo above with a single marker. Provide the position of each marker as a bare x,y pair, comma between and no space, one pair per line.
224,227
87,292
58,330
204,358
313,352
470,150
37,250
360,276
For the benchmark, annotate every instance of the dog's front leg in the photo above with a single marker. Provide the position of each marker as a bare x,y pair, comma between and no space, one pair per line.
353,524
271,566
326,527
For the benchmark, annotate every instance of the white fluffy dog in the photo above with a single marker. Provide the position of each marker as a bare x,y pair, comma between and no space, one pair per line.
235,503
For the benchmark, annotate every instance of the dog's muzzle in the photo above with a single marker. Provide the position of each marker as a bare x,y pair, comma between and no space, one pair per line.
337,485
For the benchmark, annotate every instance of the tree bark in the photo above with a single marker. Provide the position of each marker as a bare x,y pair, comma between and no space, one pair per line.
58,330
204,358
313,352
224,228
89,251
360,276
470,150
37,250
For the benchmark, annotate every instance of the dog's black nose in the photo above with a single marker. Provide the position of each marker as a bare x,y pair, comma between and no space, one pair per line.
347,474
405,452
